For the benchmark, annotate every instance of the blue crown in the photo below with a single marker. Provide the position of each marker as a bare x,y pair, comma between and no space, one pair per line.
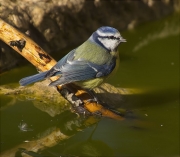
107,30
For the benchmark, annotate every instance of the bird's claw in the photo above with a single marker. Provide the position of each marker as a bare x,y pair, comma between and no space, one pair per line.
81,110
97,113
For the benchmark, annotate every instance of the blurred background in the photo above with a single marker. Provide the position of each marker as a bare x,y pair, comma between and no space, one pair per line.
149,65
59,24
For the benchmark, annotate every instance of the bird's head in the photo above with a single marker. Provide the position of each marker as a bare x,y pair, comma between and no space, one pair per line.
107,37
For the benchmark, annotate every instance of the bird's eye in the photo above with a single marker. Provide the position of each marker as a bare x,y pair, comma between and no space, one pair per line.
111,37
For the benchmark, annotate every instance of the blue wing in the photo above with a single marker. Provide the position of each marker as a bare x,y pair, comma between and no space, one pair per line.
80,70
72,71
53,71
56,70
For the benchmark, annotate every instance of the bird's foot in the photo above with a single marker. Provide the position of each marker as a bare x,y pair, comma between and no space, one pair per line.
81,110
97,113
93,100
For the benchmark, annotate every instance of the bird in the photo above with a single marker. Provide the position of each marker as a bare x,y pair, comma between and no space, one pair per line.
88,65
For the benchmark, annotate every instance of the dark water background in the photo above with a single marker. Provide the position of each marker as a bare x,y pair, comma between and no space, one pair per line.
150,64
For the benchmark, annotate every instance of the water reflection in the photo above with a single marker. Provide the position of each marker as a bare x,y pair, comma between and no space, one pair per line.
90,147
24,127
58,129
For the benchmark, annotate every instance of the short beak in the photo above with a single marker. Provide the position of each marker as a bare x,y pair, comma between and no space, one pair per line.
122,40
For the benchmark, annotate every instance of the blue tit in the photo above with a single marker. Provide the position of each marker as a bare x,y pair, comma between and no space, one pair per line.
89,64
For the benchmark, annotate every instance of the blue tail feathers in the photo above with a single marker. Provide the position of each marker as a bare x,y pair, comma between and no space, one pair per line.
34,78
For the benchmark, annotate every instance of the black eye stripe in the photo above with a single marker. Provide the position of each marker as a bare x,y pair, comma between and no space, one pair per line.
109,37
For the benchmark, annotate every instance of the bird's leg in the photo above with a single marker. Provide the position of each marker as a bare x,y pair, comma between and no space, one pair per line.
94,99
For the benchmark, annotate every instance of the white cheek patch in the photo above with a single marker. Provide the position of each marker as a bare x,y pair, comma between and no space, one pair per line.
110,44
